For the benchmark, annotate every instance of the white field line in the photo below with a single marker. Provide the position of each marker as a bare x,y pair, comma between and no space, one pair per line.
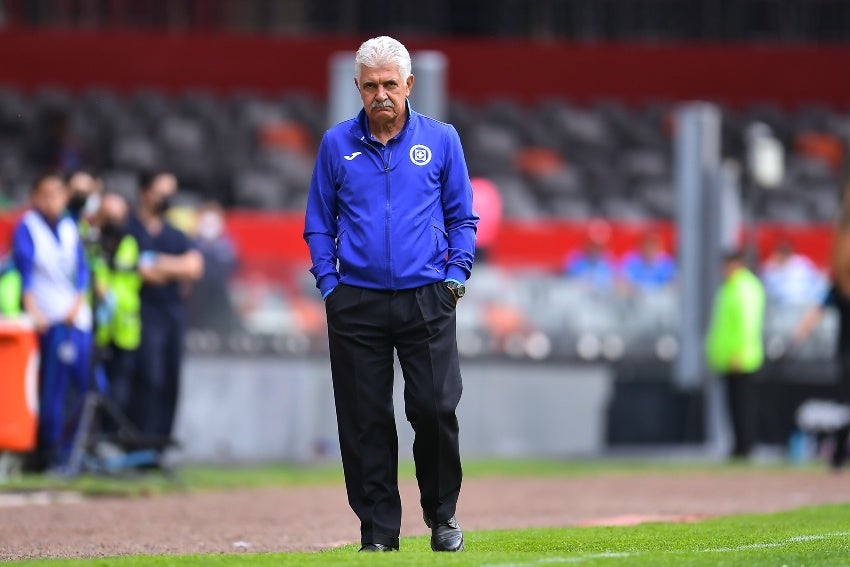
40,498
781,543
626,554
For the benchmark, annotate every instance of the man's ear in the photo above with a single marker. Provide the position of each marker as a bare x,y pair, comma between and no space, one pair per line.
356,86
410,82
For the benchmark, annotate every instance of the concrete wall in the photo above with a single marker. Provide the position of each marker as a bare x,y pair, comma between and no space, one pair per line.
269,409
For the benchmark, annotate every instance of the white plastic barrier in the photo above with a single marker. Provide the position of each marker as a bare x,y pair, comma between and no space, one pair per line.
239,410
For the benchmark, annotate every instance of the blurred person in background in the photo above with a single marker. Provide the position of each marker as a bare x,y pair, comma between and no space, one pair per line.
487,203
834,298
10,288
83,195
168,260
210,306
649,267
58,150
117,287
83,202
593,265
791,278
49,255
392,266
734,346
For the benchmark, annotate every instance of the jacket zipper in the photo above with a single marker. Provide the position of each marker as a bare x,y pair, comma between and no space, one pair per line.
388,232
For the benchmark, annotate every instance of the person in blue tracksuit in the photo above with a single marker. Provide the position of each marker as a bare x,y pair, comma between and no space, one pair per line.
49,255
391,232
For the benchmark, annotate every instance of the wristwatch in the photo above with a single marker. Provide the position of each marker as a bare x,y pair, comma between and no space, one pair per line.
456,288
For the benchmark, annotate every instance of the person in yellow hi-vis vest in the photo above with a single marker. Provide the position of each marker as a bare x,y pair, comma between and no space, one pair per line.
10,289
116,284
734,346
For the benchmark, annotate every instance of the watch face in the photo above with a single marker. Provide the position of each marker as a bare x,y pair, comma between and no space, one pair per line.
457,289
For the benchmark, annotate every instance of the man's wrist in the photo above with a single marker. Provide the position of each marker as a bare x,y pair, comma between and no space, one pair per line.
456,287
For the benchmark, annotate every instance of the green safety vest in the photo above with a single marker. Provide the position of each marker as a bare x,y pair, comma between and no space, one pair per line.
123,283
91,247
10,293
735,331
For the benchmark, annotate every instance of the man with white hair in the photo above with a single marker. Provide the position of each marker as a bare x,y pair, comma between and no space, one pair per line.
391,232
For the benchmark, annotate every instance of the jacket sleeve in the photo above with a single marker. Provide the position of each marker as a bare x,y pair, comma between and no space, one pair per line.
81,279
23,254
320,221
461,220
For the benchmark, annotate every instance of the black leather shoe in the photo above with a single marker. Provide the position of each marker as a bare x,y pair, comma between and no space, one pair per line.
445,536
377,547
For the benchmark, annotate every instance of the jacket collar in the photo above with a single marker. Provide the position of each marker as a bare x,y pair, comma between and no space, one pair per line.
360,128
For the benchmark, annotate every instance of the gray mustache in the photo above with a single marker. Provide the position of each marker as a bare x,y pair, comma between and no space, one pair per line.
387,103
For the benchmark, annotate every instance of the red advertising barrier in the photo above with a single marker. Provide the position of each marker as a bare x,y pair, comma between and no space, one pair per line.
269,238
273,242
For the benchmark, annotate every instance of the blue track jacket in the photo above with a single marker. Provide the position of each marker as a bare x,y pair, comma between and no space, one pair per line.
390,217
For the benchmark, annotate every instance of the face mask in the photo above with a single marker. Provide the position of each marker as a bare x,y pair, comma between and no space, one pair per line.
77,202
163,206
111,234
112,230
92,205
210,226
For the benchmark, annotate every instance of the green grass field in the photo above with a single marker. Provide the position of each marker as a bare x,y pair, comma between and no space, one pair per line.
806,537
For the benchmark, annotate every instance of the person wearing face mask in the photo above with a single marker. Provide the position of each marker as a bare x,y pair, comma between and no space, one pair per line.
84,191
48,254
117,285
83,195
209,305
167,261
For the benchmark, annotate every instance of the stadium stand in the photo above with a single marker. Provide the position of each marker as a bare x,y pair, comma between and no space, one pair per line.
554,159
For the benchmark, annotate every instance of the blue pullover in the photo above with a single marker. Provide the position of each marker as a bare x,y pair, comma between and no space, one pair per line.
390,217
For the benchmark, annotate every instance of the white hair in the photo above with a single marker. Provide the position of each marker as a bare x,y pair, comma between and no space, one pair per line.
382,50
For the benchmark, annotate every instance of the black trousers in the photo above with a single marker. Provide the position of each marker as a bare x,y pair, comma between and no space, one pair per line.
364,328
118,366
742,403
842,435
156,380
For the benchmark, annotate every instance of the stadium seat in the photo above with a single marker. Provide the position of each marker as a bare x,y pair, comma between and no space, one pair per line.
553,158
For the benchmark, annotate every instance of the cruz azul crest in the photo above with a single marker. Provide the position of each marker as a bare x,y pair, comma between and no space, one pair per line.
420,155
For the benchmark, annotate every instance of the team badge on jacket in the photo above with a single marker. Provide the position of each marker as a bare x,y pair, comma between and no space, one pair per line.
420,155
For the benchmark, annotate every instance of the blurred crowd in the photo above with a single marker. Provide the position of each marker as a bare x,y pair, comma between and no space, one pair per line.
106,285
789,277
